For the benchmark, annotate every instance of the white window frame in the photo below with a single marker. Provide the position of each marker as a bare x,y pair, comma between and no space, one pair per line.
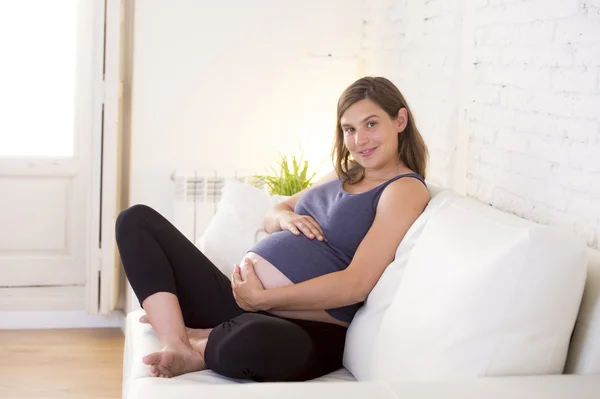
111,121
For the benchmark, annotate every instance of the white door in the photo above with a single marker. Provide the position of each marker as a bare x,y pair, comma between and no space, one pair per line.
48,115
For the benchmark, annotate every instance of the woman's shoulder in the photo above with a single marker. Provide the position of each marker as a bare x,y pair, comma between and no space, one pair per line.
407,187
408,175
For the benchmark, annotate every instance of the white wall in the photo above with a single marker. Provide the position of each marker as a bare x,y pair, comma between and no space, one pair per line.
227,85
507,95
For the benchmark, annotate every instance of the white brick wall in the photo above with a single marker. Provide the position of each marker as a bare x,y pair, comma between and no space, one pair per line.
528,123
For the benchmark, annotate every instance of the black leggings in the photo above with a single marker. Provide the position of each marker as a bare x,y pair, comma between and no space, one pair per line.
258,346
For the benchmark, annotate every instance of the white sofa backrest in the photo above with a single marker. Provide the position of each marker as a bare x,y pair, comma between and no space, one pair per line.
584,351
583,356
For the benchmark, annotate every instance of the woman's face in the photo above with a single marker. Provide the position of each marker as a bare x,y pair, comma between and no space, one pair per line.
371,135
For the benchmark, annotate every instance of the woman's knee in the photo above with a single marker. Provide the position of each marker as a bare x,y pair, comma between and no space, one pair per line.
131,216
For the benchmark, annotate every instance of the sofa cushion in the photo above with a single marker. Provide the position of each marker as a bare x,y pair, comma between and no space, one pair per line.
530,387
547,387
161,388
484,293
364,329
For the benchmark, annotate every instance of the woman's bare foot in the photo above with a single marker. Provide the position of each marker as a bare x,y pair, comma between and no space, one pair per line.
173,361
192,333
199,344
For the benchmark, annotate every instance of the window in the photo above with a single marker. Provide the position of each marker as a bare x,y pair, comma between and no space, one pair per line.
38,40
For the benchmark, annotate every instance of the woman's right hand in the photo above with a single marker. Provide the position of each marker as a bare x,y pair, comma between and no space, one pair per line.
289,220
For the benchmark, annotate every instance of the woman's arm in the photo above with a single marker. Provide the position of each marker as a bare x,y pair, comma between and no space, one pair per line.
401,203
272,217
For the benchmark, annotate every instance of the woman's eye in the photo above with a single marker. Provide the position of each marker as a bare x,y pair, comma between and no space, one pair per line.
371,124
349,130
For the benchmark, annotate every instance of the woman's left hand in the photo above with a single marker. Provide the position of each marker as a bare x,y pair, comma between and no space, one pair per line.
247,293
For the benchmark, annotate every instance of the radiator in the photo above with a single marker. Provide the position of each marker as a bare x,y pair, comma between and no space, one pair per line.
197,196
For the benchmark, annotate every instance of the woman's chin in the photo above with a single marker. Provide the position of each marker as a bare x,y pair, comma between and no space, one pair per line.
368,162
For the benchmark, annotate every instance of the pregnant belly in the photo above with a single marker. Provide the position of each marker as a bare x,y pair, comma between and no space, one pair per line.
271,277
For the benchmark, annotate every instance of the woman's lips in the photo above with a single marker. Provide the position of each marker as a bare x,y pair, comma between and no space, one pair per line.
368,152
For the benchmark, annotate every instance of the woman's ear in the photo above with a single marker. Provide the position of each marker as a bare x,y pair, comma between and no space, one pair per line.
401,119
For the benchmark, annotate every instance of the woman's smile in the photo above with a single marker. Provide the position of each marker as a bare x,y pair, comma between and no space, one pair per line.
368,152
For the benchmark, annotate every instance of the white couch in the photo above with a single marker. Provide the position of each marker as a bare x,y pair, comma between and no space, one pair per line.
478,303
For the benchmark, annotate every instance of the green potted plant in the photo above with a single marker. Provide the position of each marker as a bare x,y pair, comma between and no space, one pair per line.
288,180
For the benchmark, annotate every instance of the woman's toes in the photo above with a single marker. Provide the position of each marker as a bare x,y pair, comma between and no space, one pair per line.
152,358
172,362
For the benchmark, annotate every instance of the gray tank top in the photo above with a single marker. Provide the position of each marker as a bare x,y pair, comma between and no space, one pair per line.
345,219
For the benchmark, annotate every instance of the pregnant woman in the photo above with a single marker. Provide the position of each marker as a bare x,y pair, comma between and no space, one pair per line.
283,315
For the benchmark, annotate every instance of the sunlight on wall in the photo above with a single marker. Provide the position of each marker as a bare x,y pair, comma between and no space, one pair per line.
240,87
322,80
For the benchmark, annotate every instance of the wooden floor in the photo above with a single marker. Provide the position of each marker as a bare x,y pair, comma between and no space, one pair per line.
81,363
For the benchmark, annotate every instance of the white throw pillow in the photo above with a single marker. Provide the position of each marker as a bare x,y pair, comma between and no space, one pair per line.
364,329
484,293
237,225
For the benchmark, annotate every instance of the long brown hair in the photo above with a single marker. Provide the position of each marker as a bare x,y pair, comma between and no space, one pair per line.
411,146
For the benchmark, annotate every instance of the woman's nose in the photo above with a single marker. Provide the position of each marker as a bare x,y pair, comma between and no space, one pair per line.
360,138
